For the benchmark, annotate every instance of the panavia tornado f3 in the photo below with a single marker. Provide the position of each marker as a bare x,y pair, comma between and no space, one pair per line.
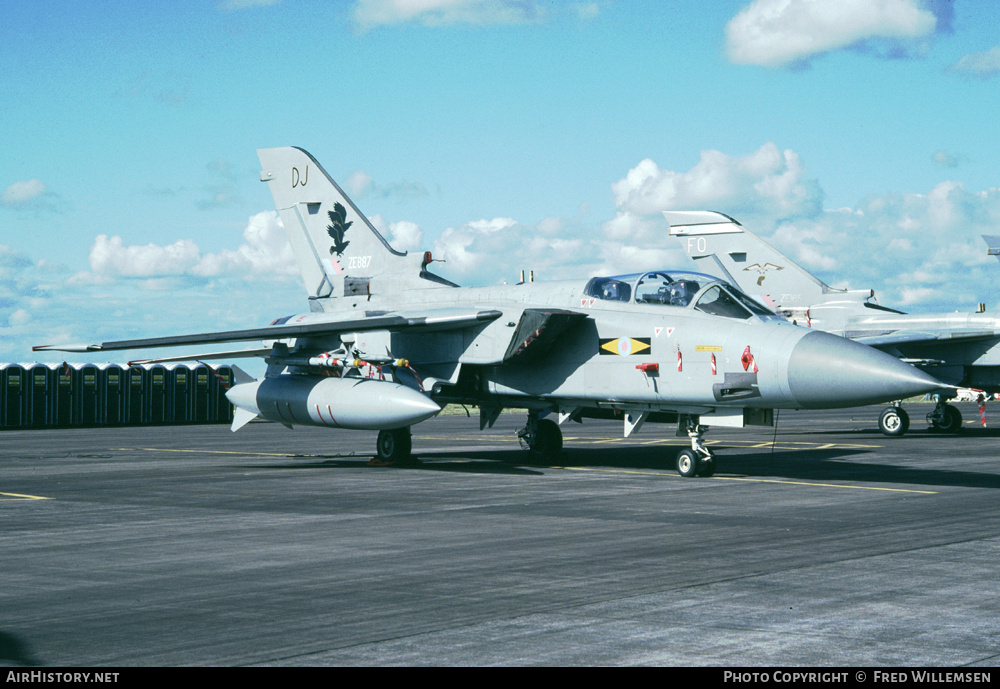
386,343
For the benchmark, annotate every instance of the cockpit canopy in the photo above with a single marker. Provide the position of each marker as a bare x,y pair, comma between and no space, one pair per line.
680,289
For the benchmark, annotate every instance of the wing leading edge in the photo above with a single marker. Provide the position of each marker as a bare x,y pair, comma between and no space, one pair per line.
432,320
924,337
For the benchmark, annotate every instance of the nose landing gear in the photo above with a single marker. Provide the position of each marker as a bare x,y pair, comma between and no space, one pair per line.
699,460
945,418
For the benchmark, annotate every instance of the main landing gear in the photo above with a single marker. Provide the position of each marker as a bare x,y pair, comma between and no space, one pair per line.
894,421
393,447
541,438
699,460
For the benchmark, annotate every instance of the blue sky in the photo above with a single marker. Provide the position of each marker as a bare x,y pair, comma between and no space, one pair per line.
858,136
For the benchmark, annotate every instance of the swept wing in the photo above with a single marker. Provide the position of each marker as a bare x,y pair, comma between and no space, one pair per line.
444,319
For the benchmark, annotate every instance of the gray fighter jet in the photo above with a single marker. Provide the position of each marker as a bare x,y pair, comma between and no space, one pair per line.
386,343
960,349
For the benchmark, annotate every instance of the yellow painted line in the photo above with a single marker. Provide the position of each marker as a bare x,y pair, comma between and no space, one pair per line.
666,474
826,485
18,496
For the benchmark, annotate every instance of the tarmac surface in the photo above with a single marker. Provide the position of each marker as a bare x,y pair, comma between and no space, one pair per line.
821,544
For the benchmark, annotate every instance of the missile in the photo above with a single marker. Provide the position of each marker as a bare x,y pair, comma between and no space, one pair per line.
357,403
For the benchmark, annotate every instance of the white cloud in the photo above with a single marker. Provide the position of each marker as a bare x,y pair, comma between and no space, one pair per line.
358,183
775,33
402,236
19,317
265,252
587,10
109,256
628,225
452,247
550,226
909,296
406,236
945,159
22,193
768,181
807,242
371,13
619,258
983,64
468,247
494,225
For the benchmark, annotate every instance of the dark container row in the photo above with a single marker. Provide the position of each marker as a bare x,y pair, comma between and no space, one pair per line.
37,395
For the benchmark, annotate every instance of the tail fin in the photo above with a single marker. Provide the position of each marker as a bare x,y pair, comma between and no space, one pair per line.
241,376
747,261
338,250
992,245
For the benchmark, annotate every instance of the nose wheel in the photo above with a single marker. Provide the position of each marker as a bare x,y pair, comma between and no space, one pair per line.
690,464
699,460
945,418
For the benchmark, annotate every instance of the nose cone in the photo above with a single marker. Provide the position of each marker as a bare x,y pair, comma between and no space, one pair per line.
244,396
826,372
404,406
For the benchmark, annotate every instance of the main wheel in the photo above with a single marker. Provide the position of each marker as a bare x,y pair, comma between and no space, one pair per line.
894,421
687,463
547,445
952,422
394,446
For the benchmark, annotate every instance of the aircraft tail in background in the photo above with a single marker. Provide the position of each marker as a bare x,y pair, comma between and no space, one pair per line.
766,274
746,260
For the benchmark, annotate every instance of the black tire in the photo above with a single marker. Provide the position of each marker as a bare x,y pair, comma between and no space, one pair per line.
706,467
894,421
687,463
952,420
548,441
394,446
